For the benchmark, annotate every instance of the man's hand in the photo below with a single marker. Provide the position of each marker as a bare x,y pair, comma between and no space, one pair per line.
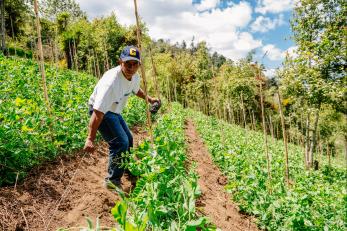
89,146
94,123
153,100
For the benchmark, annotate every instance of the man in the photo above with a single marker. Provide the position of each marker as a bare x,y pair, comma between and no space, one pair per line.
105,106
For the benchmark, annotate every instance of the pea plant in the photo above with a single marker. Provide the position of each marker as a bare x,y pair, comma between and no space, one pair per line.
315,200
29,133
165,194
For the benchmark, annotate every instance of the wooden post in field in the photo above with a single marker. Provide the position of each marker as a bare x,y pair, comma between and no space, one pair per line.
284,139
143,73
42,65
264,125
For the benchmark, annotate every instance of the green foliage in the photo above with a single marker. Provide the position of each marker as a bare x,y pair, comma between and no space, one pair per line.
164,196
29,134
316,200
52,8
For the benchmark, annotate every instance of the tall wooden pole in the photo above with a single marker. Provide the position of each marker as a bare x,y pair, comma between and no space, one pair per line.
284,138
143,73
264,125
42,65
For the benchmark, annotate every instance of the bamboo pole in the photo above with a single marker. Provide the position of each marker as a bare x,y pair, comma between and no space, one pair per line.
42,66
143,73
264,126
284,139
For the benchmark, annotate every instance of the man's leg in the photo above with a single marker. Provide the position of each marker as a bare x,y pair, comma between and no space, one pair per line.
114,134
130,138
126,130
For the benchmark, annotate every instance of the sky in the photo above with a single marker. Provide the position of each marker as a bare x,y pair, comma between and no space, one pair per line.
231,27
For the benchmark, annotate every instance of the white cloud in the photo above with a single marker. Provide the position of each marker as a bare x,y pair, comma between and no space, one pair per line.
274,6
207,5
179,20
273,53
270,73
291,51
264,24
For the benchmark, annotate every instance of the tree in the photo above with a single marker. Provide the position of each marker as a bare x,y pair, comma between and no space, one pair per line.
316,75
52,8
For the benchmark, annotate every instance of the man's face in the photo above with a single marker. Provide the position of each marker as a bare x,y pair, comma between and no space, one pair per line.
129,68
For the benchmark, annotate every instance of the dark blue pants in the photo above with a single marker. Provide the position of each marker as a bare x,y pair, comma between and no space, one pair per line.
116,133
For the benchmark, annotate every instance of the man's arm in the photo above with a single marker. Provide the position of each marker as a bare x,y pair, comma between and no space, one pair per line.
142,95
94,123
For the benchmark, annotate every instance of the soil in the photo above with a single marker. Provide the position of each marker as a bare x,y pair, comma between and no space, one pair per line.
62,194
214,203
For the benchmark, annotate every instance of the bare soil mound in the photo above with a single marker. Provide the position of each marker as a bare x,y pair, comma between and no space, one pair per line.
214,202
48,199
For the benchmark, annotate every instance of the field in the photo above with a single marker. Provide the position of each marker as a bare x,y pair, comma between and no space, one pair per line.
167,195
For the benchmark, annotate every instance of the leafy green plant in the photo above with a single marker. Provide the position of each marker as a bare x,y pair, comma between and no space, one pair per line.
316,200
164,196
29,134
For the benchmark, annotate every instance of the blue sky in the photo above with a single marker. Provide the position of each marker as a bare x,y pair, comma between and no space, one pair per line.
230,27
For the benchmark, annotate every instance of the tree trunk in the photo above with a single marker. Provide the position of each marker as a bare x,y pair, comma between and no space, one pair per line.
3,31
106,57
307,139
243,111
328,153
314,139
13,37
75,55
94,65
254,121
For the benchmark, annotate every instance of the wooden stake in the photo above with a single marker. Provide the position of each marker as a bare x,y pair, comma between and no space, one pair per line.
264,127
42,65
284,139
143,73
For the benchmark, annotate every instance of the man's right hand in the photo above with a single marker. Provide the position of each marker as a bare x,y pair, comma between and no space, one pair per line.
89,146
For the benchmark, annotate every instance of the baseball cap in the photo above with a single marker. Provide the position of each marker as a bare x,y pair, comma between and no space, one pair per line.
130,53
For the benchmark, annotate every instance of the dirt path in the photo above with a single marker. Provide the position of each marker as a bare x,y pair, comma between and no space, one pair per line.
33,205
214,203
